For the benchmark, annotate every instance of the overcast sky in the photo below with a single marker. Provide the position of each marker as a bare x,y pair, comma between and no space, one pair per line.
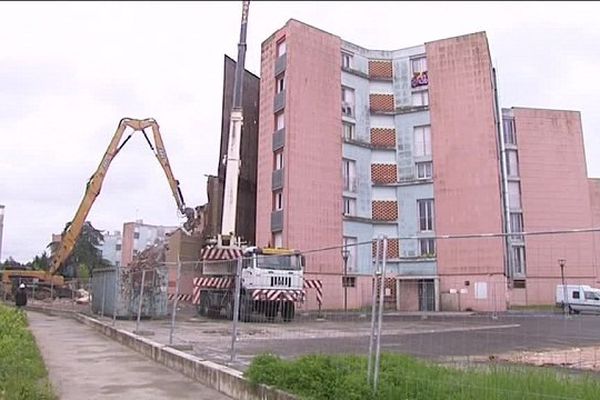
70,71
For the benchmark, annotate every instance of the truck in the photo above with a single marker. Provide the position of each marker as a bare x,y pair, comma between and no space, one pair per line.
578,298
271,280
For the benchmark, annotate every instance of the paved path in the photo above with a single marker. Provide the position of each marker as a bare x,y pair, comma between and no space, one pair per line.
83,364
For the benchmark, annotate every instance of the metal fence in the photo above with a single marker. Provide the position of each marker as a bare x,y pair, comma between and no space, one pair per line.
466,306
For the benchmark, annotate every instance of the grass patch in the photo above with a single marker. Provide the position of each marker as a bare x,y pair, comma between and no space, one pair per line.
322,377
22,371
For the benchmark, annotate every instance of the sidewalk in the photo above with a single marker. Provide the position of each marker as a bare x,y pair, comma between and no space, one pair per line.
84,364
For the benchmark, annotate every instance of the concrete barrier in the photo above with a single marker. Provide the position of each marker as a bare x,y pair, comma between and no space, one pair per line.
228,381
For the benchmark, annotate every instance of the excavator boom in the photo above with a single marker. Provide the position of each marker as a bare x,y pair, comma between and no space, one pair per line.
73,230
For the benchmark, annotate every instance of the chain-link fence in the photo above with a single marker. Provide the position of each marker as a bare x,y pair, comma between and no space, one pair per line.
474,304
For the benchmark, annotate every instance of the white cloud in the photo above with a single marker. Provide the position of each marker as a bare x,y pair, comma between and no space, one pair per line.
69,71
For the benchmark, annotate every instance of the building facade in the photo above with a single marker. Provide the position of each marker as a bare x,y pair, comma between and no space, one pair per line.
357,143
138,236
111,247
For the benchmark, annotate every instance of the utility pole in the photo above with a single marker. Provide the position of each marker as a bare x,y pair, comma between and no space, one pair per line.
345,255
562,262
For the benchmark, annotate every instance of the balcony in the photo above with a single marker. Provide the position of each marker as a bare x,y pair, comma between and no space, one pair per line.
276,220
280,64
277,179
279,139
279,102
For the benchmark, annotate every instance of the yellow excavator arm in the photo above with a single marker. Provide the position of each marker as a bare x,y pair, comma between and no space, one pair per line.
73,230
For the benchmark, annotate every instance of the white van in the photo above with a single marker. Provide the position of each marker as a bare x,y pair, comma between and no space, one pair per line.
579,298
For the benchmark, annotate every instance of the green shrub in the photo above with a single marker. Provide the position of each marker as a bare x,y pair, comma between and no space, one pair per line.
22,371
322,377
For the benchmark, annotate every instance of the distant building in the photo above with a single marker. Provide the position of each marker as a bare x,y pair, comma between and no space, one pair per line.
412,144
138,236
111,247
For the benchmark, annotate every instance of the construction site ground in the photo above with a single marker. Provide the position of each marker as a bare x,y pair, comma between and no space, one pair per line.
543,339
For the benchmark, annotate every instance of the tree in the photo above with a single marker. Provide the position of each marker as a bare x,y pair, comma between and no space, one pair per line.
86,251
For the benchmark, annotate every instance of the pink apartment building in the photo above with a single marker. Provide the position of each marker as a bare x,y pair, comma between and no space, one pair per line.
411,143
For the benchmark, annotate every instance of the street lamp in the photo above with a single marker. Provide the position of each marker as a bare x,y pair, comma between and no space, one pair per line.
561,262
345,255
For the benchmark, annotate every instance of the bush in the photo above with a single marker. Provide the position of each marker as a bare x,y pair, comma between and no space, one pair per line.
22,371
322,377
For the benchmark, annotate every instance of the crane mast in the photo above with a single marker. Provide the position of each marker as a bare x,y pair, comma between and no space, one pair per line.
236,121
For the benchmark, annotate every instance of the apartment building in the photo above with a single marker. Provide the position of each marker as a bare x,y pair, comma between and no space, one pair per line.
356,143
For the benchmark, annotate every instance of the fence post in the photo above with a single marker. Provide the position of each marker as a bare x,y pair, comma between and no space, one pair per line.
103,294
380,316
236,307
139,314
51,290
116,296
175,301
373,308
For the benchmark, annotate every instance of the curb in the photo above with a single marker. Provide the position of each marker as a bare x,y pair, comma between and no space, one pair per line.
228,381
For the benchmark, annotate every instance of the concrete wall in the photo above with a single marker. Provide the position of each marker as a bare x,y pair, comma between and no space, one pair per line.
594,188
466,181
312,201
555,194
266,129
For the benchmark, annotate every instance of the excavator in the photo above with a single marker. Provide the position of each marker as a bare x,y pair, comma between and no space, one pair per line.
50,278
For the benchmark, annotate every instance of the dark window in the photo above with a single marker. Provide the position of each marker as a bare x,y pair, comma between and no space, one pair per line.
348,281
576,294
118,247
136,235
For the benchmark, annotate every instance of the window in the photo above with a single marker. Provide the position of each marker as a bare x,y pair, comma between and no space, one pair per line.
514,195
420,98
424,170
516,225
425,210
349,206
512,165
518,260
348,131
117,263
278,160
510,136
348,281
277,239
281,48
422,141
591,296
427,247
418,65
279,121
117,247
349,175
346,60
136,235
576,294
280,83
347,101
350,244
277,200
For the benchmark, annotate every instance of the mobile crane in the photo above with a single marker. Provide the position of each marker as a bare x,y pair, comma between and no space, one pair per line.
92,190
272,278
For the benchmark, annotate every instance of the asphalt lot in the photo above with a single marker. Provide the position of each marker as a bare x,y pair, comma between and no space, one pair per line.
443,337
452,338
